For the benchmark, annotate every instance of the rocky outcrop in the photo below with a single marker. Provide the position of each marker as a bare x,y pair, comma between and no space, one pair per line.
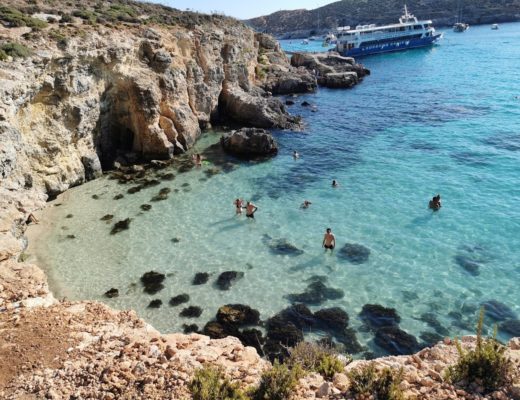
331,69
249,142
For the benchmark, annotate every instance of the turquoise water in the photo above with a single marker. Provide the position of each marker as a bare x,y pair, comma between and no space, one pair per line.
441,120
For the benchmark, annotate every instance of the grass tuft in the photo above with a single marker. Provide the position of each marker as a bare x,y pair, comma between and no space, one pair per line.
382,385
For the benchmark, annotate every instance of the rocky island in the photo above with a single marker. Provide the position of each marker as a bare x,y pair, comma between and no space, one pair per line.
89,87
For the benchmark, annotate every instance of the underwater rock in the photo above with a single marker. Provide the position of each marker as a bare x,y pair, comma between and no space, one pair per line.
179,299
164,191
334,317
185,184
355,253
498,311
289,102
69,216
167,177
432,321
237,315
396,341
146,207
511,326
176,240
430,338
146,183
152,282
226,279
191,312
469,265
118,196
160,197
299,315
134,189
111,293
107,217
190,328
315,294
305,104
155,303
348,338
120,226
376,316
200,278
252,337
286,333
95,197
283,247
71,236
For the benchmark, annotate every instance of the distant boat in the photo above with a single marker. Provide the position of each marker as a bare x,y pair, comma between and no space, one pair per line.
459,25
494,27
409,33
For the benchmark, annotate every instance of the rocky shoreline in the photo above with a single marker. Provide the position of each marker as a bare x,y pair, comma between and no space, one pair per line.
108,96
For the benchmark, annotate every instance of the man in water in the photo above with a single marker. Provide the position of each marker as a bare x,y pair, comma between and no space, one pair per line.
329,240
335,183
238,204
295,155
198,160
250,210
306,204
435,203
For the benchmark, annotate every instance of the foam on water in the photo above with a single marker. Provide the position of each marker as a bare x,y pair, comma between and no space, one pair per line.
442,120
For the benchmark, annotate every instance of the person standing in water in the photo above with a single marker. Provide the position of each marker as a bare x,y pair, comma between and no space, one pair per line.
335,183
329,240
250,210
198,160
435,203
295,155
239,203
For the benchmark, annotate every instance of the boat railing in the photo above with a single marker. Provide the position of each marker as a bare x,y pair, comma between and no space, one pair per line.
381,35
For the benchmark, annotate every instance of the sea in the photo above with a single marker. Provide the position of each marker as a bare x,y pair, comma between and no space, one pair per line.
441,120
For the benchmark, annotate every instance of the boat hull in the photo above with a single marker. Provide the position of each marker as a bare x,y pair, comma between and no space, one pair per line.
393,46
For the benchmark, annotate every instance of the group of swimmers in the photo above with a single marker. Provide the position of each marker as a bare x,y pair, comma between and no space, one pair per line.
250,208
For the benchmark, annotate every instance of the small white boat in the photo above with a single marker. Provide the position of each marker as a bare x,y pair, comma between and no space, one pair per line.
494,27
460,27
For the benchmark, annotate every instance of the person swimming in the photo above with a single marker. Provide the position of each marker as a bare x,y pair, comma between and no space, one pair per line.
435,203
239,204
335,183
305,204
250,210
295,155
329,240
197,158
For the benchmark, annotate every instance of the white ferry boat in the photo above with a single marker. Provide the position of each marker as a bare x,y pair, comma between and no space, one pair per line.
409,33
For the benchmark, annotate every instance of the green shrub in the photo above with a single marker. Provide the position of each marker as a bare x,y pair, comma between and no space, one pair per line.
278,382
3,55
15,17
383,385
209,384
315,358
66,18
486,366
14,50
330,365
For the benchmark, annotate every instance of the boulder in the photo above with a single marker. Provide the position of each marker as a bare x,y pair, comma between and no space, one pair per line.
179,299
111,293
498,311
157,303
469,265
355,253
299,315
281,331
237,315
316,293
339,80
226,279
200,278
249,142
191,312
216,330
511,326
92,167
376,316
120,226
190,328
347,337
334,318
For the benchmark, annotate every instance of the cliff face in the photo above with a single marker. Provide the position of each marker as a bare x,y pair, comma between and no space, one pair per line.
303,23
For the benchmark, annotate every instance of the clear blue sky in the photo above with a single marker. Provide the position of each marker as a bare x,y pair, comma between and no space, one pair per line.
243,9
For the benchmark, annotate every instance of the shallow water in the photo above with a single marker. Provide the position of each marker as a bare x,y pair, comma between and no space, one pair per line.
442,120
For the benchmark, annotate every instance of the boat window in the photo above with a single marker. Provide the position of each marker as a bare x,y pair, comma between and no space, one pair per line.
417,27
402,28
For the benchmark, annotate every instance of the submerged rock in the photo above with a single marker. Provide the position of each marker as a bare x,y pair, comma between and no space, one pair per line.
111,293
252,337
176,240
134,189
396,341
316,293
355,253
334,317
146,207
179,299
470,266
511,326
107,217
299,315
191,312
498,311
283,247
430,338
216,330
226,279
431,320
347,337
121,226
190,328
238,315
155,303
281,331
376,316
152,282
118,196
200,278
249,142
160,197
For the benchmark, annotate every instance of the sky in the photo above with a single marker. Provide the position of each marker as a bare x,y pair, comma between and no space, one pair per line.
243,9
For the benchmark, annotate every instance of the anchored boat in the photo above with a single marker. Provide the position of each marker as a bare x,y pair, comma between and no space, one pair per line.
409,33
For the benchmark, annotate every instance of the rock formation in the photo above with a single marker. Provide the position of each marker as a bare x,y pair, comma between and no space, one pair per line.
249,142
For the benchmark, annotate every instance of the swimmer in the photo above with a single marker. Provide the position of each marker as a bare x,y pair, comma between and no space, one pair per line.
197,158
435,203
295,155
250,210
239,205
329,240
305,204
335,183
